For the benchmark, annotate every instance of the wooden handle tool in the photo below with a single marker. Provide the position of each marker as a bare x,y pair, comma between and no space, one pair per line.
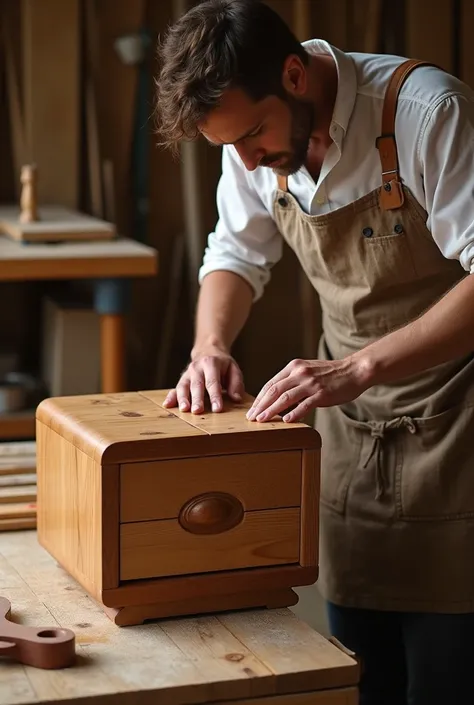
35,646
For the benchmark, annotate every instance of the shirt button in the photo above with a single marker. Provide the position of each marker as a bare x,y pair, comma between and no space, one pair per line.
367,232
320,200
283,202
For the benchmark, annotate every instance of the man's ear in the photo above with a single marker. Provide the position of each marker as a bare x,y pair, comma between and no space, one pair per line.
294,77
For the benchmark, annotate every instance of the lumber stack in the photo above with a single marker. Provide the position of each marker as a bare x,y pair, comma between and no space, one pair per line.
17,485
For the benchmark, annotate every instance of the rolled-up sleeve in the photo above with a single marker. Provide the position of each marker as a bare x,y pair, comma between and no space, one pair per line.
246,240
447,163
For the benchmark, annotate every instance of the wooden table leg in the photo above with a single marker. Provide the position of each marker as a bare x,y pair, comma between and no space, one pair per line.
110,303
112,353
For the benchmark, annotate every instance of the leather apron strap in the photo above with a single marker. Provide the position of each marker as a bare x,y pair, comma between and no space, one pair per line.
282,182
391,194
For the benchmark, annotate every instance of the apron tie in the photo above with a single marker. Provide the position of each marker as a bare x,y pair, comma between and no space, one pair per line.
377,431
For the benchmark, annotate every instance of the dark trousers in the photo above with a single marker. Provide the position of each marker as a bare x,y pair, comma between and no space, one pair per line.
409,658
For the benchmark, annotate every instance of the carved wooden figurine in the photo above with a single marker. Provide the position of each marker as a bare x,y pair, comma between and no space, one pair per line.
29,194
159,513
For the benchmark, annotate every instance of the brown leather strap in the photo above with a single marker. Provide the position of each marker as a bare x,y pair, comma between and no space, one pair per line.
282,182
391,194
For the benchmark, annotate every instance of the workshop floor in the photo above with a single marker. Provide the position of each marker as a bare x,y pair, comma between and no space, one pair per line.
311,608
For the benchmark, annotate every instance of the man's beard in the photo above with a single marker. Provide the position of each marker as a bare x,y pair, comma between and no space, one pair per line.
302,122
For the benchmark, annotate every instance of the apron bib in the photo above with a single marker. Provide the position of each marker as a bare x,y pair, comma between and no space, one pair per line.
397,464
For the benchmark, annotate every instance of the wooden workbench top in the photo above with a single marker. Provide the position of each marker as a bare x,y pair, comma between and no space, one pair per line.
249,656
75,260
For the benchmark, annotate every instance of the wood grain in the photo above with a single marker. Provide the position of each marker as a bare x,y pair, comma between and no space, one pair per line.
163,548
310,491
75,260
197,586
138,614
108,428
158,490
69,507
55,224
256,654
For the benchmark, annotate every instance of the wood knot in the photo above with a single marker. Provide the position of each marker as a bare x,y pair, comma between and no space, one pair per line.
130,413
234,657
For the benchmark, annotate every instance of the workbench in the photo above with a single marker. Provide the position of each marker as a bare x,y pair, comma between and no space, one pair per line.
251,657
110,264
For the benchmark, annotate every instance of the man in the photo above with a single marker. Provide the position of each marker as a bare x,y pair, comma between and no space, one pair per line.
364,164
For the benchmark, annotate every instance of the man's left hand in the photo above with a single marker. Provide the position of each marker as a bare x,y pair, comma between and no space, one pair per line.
307,384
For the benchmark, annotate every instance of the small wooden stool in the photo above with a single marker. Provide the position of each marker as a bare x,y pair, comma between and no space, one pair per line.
159,513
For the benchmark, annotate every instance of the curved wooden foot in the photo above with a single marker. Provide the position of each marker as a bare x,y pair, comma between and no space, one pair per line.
138,614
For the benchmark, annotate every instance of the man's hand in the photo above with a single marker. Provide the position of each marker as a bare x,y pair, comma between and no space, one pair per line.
307,384
212,371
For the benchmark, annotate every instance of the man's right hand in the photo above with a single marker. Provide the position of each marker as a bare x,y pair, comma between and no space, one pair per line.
211,372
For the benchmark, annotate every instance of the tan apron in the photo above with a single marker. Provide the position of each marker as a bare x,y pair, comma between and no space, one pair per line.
397,486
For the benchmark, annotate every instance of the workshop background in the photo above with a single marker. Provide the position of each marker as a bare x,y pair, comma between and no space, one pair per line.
77,92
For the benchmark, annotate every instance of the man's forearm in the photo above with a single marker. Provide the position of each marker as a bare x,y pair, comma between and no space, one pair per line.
444,332
225,301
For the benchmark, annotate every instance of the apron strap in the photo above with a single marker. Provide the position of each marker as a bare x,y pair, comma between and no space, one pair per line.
282,182
391,193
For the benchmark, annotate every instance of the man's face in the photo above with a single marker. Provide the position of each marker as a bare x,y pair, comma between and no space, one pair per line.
272,132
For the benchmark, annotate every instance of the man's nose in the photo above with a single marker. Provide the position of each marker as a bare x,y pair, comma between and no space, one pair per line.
250,157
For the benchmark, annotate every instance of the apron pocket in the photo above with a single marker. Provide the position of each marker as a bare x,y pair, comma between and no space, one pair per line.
340,453
435,468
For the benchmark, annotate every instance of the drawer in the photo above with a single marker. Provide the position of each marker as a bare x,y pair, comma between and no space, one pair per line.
159,489
153,549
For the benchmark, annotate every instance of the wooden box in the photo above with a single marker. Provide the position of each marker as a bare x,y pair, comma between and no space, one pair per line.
159,513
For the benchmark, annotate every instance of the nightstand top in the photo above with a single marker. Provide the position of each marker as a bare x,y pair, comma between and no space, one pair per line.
135,426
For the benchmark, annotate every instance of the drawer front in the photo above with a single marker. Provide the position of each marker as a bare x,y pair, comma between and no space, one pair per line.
153,549
159,489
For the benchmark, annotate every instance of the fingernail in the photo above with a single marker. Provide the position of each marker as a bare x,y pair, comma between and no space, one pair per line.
215,406
195,408
237,396
261,417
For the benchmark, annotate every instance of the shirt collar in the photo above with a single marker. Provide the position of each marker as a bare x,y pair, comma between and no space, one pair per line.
347,80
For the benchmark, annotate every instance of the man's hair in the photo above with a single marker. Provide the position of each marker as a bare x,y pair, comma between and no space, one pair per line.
217,45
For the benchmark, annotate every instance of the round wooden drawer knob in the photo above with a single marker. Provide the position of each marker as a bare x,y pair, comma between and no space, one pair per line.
211,513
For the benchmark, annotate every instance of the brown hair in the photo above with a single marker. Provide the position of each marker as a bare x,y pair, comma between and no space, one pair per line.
217,45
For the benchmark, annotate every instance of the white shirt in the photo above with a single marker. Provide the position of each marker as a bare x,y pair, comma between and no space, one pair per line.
435,141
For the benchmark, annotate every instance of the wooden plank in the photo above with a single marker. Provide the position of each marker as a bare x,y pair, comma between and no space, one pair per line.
430,34
284,643
18,523
54,224
163,548
18,480
75,260
25,493
24,510
173,662
18,424
115,420
17,449
51,73
231,419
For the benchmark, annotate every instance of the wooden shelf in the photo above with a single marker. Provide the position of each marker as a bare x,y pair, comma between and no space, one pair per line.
20,424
